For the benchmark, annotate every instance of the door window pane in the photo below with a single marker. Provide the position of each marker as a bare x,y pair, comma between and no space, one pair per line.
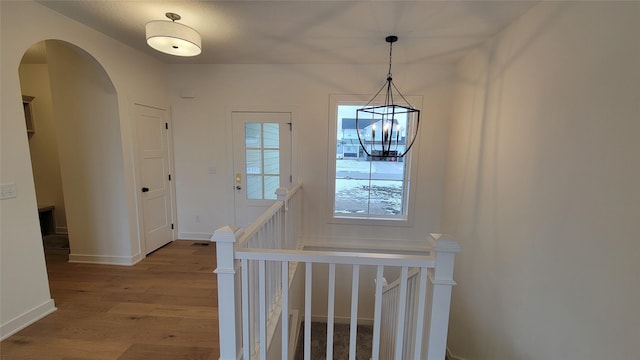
271,184
253,135
254,187
272,162
262,141
271,135
254,162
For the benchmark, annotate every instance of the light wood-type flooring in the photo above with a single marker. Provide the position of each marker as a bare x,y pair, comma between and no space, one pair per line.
164,307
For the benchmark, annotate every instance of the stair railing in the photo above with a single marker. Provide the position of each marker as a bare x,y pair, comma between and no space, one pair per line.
255,274
277,228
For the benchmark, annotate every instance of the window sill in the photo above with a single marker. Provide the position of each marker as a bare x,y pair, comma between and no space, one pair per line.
371,220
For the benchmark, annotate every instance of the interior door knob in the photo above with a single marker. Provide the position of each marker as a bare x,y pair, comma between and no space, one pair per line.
145,189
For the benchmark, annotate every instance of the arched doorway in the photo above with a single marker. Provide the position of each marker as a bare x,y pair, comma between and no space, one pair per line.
75,144
43,148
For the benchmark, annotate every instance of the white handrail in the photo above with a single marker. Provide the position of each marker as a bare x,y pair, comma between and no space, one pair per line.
336,257
254,227
412,272
284,197
291,192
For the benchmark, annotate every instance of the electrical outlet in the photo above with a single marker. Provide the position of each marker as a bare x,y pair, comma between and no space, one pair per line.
211,170
8,191
197,219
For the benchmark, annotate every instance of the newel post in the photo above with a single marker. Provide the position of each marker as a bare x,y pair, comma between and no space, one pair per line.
225,239
281,193
442,281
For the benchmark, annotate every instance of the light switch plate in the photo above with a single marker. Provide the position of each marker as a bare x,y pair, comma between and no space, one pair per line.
8,191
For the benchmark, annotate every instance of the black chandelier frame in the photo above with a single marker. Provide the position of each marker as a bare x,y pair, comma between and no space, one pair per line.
386,115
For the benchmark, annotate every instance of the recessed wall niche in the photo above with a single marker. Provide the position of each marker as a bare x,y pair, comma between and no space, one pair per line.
28,114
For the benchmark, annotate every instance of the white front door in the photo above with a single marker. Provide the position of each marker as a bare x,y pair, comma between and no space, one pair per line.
153,161
261,161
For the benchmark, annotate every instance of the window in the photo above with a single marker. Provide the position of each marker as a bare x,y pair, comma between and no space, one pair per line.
366,188
262,160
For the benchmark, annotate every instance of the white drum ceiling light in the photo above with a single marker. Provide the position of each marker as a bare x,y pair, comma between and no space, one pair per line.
173,38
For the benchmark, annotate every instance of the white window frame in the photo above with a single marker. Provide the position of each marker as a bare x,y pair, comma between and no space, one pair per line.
411,163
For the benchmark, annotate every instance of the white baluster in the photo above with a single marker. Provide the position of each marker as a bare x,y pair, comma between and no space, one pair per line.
330,309
285,310
307,311
263,307
355,285
422,295
401,313
377,312
246,347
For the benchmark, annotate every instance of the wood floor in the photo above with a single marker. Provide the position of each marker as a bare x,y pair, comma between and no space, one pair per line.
164,307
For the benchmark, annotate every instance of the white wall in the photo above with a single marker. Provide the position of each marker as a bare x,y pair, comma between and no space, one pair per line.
137,78
87,124
202,136
43,145
543,188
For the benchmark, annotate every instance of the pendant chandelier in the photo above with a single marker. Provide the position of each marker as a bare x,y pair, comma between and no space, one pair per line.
173,38
389,123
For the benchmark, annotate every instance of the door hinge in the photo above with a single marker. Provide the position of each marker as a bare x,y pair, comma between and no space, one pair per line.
290,125
166,126
169,177
171,226
290,178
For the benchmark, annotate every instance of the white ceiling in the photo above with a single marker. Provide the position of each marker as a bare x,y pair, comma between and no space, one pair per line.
320,32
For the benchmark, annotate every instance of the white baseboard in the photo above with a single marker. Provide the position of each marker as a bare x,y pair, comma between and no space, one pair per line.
62,230
137,258
451,356
194,236
22,321
105,259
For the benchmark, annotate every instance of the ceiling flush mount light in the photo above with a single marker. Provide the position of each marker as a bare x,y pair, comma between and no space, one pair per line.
173,38
394,118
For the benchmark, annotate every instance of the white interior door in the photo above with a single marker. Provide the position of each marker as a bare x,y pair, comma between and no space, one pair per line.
261,161
153,161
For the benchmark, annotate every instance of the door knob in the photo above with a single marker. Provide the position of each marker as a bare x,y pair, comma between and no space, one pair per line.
145,189
238,187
